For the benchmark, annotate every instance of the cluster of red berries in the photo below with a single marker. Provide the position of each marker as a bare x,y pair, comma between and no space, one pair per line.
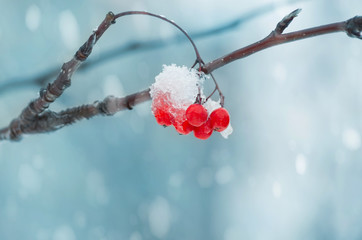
195,118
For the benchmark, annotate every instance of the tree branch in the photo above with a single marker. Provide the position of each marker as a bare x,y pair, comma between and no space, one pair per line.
352,27
36,107
36,119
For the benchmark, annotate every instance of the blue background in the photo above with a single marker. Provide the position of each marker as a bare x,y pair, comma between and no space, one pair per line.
290,170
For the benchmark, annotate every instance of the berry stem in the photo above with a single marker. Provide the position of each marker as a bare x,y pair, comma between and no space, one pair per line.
211,94
222,97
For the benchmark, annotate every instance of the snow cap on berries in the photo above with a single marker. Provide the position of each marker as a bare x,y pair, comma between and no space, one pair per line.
182,84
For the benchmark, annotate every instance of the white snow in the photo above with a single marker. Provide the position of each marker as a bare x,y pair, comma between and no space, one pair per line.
227,131
33,17
69,30
211,105
180,82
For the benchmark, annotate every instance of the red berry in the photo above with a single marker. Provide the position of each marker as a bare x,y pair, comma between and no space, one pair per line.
161,108
204,131
196,115
183,128
163,118
220,119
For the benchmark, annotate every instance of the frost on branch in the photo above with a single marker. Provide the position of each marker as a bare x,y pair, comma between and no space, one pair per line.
174,90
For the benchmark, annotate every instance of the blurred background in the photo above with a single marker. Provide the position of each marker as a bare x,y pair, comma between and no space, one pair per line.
292,168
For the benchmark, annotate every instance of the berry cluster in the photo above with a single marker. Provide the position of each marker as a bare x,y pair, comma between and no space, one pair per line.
195,118
204,124
178,100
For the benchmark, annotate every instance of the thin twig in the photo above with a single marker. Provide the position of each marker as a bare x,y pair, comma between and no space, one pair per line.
217,88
